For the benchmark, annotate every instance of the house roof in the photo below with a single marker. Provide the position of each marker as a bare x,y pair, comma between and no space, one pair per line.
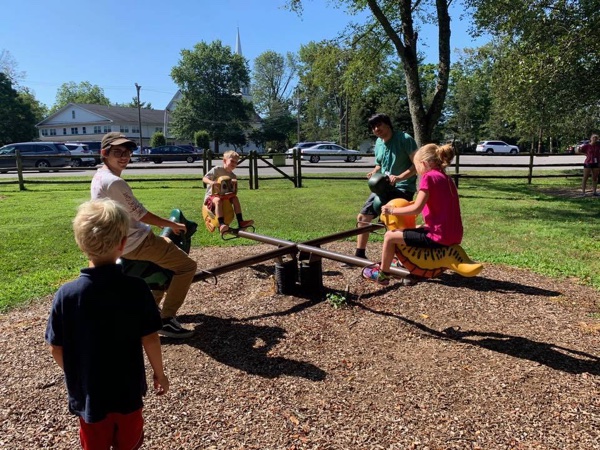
118,114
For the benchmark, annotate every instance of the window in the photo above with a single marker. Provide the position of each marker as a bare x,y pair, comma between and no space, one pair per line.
73,114
83,130
135,129
52,131
158,129
124,128
74,130
97,129
64,131
44,132
107,129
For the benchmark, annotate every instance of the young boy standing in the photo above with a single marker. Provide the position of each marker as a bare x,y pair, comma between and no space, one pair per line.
230,162
97,328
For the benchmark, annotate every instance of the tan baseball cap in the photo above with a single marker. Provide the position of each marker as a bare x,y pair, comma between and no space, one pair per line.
116,138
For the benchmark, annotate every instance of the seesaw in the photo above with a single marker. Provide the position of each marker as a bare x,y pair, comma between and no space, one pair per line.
298,267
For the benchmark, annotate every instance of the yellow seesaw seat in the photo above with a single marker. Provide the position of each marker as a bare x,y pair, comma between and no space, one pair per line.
428,262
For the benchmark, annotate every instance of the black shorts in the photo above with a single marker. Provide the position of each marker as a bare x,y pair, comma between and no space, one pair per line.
368,209
591,166
417,237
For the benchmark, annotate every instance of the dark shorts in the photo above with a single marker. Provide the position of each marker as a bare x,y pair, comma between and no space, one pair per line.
591,166
417,237
368,209
122,431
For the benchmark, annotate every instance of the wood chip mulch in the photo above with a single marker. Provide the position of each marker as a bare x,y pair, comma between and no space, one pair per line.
505,360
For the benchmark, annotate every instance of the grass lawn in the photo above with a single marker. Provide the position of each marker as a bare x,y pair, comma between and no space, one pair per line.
506,221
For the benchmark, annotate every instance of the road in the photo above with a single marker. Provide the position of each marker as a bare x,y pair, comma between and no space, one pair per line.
362,166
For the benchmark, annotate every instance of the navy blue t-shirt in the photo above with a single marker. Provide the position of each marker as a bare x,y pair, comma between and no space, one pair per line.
99,320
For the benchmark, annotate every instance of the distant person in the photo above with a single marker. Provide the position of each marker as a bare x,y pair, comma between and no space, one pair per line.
214,202
98,326
394,152
142,243
591,165
437,199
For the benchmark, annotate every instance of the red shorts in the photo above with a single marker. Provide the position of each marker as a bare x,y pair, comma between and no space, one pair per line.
122,431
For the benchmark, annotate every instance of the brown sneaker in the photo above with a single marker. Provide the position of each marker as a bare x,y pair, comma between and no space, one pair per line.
223,228
246,223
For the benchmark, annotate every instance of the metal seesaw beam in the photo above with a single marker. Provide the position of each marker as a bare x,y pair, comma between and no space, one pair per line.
311,249
291,248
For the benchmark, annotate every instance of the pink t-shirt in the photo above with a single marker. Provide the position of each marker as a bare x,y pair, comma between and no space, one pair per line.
592,153
442,211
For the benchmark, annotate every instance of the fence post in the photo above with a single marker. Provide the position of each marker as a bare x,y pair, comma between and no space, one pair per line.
295,168
456,166
298,162
20,170
256,172
251,157
530,175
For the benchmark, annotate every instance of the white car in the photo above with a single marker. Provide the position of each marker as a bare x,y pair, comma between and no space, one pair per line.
81,155
329,152
496,147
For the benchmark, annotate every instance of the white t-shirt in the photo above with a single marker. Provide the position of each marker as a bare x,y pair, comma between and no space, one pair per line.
214,174
106,184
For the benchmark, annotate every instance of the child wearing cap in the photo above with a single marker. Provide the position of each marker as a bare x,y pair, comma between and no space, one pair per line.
142,244
230,162
98,326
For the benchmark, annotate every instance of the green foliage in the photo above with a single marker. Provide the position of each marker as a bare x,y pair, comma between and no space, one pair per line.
336,300
84,92
158,139
202,139
210,78
271,81
546,78
17,114
275,131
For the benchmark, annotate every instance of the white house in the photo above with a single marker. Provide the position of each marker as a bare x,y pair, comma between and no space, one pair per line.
82,122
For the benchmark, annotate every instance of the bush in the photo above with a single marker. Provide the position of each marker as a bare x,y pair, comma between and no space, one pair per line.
158,139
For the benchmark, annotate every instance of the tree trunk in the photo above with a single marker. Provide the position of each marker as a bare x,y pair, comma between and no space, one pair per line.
424,121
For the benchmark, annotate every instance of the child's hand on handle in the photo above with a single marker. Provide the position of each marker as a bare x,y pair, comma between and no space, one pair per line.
387,209
178,228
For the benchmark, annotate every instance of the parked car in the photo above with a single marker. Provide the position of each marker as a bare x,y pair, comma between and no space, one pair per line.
300,145
37,154
81,155
172,153
94,147
496,147
329,152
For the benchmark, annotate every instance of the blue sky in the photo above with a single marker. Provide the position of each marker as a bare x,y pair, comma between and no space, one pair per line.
117,43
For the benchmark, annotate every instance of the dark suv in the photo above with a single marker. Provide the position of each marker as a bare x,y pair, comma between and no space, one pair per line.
35,154
172,153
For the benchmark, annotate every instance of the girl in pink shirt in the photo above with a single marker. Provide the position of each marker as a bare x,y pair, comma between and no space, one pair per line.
591,165
437,199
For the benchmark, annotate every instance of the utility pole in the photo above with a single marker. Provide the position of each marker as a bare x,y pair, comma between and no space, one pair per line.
138,87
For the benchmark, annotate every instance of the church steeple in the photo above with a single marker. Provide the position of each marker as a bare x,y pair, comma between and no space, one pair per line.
238,44
238,51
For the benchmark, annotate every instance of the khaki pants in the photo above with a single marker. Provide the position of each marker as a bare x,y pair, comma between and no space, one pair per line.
162,252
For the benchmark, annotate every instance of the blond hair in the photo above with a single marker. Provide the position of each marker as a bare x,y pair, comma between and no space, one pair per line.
100,226
231,154
436,156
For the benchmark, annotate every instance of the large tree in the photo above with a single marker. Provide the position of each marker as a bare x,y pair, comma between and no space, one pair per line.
17,118
10,68
396,19
84,92
272,78
548,70
210,78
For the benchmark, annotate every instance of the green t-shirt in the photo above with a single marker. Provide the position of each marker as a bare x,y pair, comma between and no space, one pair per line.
393,157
